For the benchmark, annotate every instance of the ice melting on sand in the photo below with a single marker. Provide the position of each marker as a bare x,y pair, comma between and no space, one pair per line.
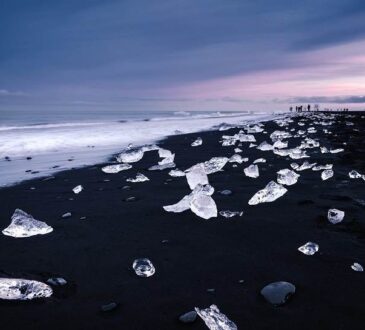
326,174
214,319
139,178
357,267
270,193
230,214
130,156
78,189
197,142
335,216
196,175
215,164
143,267
252,171
287,177
167,160
112,169
24,225
278,293
21,289
309,248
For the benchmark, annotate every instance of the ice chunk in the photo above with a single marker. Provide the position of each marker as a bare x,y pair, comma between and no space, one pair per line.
355,175
238,150
139,178
215,164
203,206
111,169
264,146
78,189
336,151
322,167
164,153
259,160
236,159
278,293
326,174
214,319
143,267
324,150
130,156
230,214
252,171
162,167
24,225
270,193
197,142
252,145
280,145
357,267
287,177
21,289
309,248
305,166
176,173
188,317
279,135
196,175
166,162
66,215
254,129
57,281
335,216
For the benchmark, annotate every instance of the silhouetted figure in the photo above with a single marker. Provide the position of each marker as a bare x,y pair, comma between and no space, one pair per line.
309,107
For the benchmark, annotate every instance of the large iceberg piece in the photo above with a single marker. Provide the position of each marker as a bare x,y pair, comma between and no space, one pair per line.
24,225
197,142
130,156
287,177
270,193
199,201
335,216
139,178
252,171
112,169
143,267
214,319
196,175
264,146
326,174
21,289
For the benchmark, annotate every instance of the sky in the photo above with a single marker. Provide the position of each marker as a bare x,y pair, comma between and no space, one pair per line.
181,54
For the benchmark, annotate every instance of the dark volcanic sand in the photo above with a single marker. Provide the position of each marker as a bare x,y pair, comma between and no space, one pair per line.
95,255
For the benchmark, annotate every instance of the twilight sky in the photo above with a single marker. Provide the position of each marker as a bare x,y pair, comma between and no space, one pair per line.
181,54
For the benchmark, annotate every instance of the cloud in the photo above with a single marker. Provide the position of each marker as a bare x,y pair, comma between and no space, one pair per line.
5,93
327,99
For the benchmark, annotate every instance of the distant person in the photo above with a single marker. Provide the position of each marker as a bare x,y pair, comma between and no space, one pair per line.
309,107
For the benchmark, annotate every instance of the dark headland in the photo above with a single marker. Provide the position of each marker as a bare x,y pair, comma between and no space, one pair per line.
236,257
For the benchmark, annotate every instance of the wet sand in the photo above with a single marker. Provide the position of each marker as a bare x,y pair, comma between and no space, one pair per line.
95,255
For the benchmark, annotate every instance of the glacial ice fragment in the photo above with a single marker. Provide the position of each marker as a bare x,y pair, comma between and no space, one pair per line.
270,193
229,214
335,216
176,173
279,135
57,281
336,151
322,167
78,189
24,225
357,267
214,319
287,177
309,248
204,206
196,175
215,164
236,159
197,142
252,171
305,166
238,150
143,267
354,175
264,146
259,160
130,156
188,317
22,289
278,293
326,174
112,169
161,167
139,178
280,144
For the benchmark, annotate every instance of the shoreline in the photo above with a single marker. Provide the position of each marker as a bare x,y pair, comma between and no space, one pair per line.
95,255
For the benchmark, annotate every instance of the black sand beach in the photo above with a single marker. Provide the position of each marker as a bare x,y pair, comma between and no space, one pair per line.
95,255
